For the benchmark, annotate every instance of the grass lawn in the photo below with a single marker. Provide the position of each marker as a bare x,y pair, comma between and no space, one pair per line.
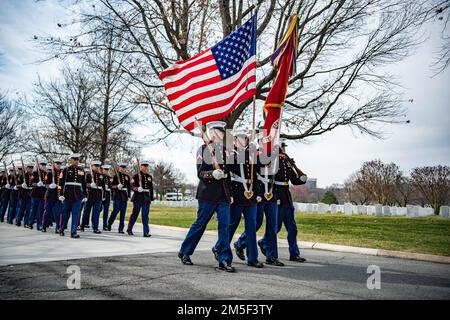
423,235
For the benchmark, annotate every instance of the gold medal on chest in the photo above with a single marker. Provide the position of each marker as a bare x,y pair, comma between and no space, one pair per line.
268,195
248,194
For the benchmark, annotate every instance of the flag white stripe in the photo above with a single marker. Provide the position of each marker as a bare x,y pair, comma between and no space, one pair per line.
213,86
193,80
215,98
180,64
210,112
185,72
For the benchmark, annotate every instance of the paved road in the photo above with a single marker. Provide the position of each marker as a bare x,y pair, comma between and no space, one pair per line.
158,274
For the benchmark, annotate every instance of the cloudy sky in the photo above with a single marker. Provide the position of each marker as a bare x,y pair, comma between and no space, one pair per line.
330,158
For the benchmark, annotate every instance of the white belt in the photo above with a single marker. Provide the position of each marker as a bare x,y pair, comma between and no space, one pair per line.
235,177
282,183
262,179
73,184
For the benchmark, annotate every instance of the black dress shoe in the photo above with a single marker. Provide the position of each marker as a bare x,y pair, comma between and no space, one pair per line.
44,229
31,227
81,228
147,235
18,224
105,229
2,220
87,226
255,264
215,253
239,252
274,262
186,260
297,259
263,251
130,233
75,236
226,267
96,231
61,233
120,231
39,229
109,228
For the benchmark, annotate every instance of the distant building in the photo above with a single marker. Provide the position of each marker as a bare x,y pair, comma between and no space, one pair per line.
311,183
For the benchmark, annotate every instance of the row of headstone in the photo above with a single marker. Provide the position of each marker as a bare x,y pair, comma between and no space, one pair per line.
348,209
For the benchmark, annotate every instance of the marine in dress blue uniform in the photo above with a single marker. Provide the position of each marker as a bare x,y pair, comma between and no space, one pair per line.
95,184
13,196
121,190
142,187
72,181
287,172
53,207
4,194
107,196
213,195
243,178
37,195
267,206
24,186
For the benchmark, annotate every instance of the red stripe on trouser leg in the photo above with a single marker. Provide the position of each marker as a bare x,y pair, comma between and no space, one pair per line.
129,220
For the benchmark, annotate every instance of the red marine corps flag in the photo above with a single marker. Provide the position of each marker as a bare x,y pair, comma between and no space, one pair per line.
208,86
283,59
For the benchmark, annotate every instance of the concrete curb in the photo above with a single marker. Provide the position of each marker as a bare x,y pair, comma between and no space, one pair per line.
347,249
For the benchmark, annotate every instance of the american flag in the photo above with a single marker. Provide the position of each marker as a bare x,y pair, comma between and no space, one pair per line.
208,86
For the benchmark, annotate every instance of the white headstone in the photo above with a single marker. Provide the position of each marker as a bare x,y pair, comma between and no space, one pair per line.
401,211
309,207
348,209
386,211
362,209
378,210
333,208
444,212
323,208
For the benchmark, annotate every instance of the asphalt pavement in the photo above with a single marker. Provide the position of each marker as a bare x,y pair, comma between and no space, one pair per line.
35,265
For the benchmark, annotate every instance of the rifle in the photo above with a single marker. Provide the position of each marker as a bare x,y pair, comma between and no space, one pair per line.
116,172
23,170
92,173
53,172
139,172
38,169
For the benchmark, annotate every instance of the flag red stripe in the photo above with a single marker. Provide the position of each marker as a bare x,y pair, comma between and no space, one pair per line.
215,92
190,75
215,104
194,86
174,71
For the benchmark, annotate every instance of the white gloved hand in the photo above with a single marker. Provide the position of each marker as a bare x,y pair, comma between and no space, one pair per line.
93,185
40,184
24,185
140,189
258,199
15,188
303,178
7,186
120,186
52,186
218,174
62,198
231,200
84,200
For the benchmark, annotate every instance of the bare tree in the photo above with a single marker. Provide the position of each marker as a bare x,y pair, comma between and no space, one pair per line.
433,183
163,177
343,50
404,190
440,12
61,111
356,192
113,114
11,122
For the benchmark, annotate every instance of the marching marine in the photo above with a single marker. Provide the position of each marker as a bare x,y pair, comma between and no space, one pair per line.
213,195
121,192
37,195
73,191
287,172
142,184
107,196
53,206
24,185
95,182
